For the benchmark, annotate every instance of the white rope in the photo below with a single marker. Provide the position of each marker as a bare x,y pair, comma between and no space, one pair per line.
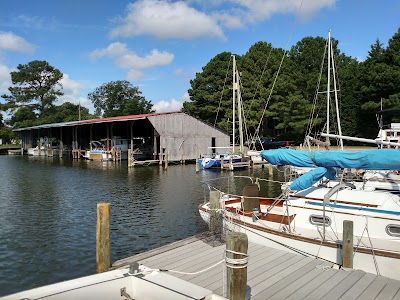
194,273
236,263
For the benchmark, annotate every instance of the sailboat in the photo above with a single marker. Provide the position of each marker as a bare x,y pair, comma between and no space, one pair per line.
217,159
308,218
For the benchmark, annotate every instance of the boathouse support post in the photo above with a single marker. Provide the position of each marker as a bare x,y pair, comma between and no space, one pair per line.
166,161
347,244
103,262
215,219
60,145
236,265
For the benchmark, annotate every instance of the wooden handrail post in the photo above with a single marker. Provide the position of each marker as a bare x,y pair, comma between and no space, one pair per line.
347,244
236,271
103,260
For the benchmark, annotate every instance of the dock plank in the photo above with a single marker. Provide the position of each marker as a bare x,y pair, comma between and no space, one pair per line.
342,287
294,281
282,278
311,286
271,273
356,290
390,290
374,288
327,285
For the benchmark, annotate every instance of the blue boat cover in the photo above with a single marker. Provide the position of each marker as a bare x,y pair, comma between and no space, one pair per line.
326,162
379,159
308,179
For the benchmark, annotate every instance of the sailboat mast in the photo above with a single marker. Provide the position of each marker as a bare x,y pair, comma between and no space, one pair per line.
240,113
328,91
336,98
233,101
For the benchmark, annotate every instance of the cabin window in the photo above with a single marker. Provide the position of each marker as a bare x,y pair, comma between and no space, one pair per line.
393,230
319,220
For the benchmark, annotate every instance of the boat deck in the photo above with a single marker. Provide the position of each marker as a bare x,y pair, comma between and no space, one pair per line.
271,273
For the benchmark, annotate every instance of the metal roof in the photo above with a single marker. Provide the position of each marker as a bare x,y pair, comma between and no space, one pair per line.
95,121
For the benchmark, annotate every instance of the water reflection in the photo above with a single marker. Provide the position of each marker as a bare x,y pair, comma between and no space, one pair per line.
48,214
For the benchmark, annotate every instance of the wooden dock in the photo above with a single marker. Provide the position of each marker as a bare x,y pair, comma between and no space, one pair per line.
272,274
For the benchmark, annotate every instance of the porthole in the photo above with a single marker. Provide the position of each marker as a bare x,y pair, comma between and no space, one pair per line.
319,220
393,230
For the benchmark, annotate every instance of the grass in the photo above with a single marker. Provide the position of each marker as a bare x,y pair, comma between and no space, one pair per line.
10,146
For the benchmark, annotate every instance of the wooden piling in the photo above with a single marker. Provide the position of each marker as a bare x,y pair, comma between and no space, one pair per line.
236,271
270,170
347,244
103,262
130,158
166,162
215,220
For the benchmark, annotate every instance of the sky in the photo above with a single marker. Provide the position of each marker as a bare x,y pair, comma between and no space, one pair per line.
159,46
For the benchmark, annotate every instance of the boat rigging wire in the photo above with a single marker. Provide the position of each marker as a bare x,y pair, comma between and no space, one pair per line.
277,72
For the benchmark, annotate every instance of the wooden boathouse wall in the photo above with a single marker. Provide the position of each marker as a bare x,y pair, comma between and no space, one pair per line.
185,137
177,134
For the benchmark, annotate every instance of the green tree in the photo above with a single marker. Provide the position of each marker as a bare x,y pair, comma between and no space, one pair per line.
119,98
380,83
36,84
7,135
211,92
66,112
24,116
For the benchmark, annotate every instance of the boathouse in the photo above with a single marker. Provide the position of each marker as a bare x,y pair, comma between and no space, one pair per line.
149,136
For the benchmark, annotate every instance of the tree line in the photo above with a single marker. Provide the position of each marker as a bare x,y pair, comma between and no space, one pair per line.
281,104
37,86
275,104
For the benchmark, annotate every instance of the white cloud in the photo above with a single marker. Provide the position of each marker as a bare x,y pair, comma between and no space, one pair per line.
73,93
113,50
264,9
164,19
172,105
165,106
199,18
134,75
70,86
11,42
129,60
185,97
5,79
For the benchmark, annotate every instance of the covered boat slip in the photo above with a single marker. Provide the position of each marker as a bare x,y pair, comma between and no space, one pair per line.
271,273
148,136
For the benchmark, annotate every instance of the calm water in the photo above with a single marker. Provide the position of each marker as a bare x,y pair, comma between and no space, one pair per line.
48,214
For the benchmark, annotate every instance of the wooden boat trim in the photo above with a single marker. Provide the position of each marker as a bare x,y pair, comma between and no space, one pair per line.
263,201
276,218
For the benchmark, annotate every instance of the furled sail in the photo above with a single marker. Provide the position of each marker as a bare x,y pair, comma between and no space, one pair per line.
325,163
377,159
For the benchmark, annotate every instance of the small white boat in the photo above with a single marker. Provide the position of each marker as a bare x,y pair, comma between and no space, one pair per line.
120,284
115,148
217,159
46,147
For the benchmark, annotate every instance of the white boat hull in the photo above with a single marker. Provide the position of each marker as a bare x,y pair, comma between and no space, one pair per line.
107,286
376,251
